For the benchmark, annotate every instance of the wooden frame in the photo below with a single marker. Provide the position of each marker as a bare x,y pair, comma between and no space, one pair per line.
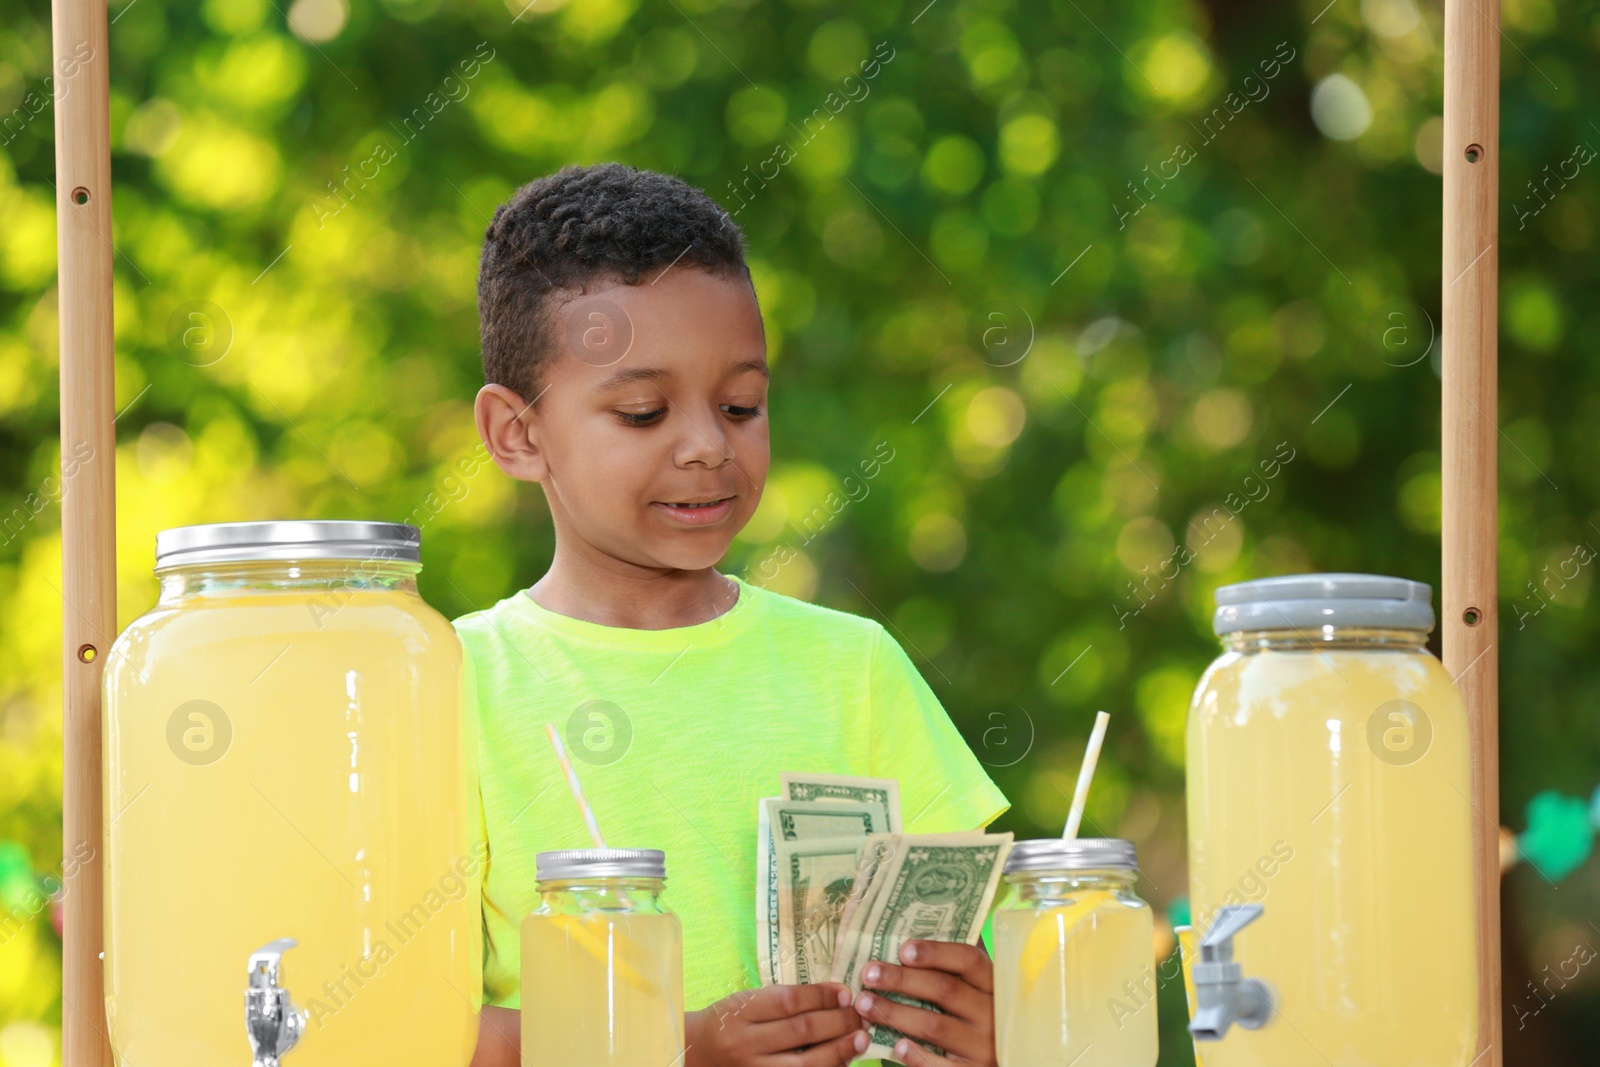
1469,530
1470,616
81,66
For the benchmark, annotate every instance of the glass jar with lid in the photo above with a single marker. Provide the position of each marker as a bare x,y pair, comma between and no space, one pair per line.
602,962
1074,969
288,767
1329,789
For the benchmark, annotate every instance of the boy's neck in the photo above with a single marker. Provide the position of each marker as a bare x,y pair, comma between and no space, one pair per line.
631,597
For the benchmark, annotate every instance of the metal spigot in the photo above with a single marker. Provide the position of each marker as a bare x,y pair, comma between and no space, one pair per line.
273,1023
1223,996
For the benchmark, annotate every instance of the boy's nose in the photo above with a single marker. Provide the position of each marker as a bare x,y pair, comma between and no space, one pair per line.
703,441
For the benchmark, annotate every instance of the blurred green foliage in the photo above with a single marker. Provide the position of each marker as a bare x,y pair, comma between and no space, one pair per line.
1084,265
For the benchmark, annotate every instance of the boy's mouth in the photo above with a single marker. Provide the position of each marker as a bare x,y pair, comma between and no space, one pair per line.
695,512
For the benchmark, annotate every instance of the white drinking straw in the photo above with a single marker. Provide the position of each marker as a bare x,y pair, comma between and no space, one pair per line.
1091,756
572,783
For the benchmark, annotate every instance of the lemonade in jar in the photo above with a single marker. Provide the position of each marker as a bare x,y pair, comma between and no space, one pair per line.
1074,979
602,963
1329,790
287,771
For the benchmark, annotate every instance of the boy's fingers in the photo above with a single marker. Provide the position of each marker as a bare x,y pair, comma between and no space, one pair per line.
835,1053
914,1055
946,1031
782,1001
969,961
949,991
799,1032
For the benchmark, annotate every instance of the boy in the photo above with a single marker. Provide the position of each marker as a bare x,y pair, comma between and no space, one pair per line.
626,365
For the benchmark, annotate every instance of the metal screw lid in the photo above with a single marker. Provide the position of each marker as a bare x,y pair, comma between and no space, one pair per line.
1312,601
601,863
1072,854
292,539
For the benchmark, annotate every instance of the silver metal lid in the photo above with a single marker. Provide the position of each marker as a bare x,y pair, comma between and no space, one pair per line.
600,863
1312,601
1072,854
293,539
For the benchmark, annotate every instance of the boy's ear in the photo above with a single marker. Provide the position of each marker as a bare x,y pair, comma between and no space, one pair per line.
507,425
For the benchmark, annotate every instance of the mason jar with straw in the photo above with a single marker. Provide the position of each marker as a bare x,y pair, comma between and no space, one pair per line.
1074,975
602,956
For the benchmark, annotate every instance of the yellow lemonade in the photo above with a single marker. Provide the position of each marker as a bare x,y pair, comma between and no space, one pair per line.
1328,781
1074,983
290,763
602,989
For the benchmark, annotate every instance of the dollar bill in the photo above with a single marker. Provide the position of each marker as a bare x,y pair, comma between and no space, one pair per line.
875,854
766,900
933,887
798,890
883,792
814,879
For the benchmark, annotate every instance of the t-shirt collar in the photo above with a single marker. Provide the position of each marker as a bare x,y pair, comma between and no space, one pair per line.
675,638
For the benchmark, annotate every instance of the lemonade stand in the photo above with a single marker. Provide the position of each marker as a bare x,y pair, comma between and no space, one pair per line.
263,768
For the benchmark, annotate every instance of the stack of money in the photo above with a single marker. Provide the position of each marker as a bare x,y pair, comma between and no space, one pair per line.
839,884
813,834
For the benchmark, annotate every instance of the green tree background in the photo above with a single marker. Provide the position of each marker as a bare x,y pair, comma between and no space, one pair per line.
963,255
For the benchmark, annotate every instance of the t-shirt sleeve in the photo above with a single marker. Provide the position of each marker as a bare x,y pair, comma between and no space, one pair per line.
943,786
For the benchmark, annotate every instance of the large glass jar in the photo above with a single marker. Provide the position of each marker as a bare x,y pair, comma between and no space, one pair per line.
602,963
288,772
1329,785
1074,971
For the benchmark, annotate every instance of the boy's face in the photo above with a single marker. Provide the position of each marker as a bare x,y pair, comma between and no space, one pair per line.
650,431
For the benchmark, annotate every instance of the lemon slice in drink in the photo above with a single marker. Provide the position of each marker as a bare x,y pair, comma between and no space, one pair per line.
1054,926
592,936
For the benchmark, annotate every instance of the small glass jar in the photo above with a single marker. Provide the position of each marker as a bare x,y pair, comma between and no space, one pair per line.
288,772
602,963
1329,804
1074,971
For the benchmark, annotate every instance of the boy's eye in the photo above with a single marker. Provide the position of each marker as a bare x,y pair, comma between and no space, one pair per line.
643,418
741,412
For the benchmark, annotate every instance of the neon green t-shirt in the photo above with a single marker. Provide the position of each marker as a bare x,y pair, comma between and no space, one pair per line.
693,727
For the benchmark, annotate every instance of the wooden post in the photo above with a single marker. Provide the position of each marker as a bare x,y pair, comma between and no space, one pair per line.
88,500
1470,598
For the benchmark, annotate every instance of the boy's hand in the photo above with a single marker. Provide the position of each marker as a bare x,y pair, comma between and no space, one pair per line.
776,1026
959,978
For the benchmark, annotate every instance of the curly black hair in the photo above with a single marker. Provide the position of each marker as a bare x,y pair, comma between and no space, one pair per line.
609,223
